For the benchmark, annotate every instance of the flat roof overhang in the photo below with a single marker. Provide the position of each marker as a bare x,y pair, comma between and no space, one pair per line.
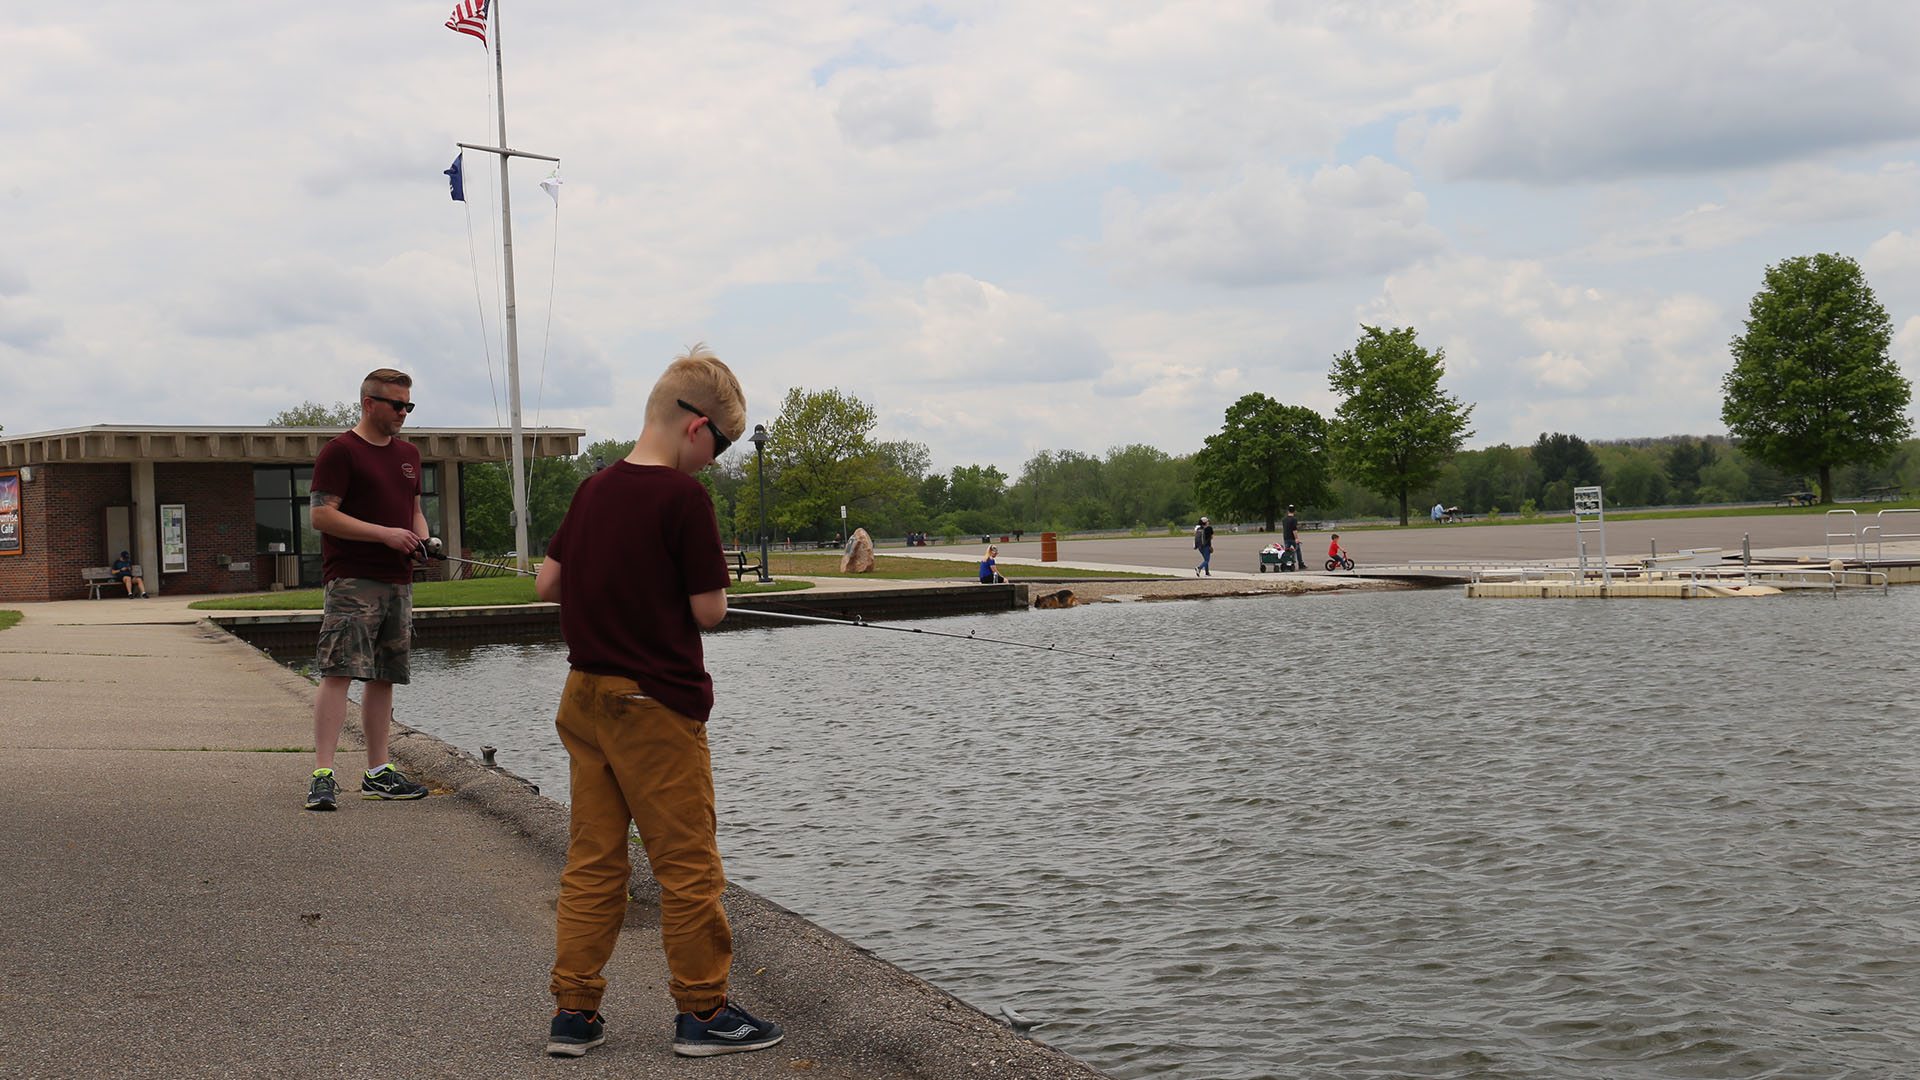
115,443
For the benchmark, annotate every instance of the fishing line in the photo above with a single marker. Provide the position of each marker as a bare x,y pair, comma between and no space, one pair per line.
971,635
968,636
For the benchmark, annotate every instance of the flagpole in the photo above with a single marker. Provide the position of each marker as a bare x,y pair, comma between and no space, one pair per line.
522,549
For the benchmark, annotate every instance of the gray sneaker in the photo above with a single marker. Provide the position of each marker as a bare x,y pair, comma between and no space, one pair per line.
390,783
324,792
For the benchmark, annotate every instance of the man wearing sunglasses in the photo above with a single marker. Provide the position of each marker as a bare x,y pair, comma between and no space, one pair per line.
366,506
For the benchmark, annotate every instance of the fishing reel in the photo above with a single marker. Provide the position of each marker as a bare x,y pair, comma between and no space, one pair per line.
430,548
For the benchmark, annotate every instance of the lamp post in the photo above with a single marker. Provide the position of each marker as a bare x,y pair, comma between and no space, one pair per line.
760,463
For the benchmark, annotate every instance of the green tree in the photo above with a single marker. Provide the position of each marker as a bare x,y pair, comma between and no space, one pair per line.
1143,486
487,524
1724,481
1498,477
1812,384
819,459
599,455
1568,459
340,414
1395,427
1636,479
1264,456
486,491
1685,461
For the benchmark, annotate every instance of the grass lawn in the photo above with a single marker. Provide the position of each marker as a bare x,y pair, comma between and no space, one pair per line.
903,568
8,618
476,592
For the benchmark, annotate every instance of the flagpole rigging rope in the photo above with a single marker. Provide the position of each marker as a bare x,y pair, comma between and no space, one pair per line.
546,335
480,308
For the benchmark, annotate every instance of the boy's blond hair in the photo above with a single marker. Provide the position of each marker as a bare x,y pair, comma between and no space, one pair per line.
698,378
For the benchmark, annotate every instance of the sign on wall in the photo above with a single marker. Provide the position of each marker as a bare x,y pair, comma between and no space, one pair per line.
11,537
173,538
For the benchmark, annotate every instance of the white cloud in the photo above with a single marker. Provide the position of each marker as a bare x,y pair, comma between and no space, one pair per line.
952,328
1801,194
1536,355
1271,226
1607,90
253,196
1894,253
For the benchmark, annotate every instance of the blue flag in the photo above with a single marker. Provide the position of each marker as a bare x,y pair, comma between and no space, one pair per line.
454,183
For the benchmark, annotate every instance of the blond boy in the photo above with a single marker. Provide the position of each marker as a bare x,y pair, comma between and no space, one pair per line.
634,712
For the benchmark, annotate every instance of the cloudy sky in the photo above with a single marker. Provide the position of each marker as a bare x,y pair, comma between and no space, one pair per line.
1008,226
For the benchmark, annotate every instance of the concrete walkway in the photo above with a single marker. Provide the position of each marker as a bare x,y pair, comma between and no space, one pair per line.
168,910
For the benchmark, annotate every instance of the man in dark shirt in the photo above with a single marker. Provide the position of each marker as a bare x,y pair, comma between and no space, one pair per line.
1290,540
633,716
366,506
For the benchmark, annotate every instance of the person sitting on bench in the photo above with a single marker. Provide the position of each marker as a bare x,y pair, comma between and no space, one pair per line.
123,573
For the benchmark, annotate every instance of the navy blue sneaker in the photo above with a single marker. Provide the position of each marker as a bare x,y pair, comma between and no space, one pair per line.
728,1029
573,1033
390,783
324,792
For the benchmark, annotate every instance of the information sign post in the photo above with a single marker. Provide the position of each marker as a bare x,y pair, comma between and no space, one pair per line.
1587,504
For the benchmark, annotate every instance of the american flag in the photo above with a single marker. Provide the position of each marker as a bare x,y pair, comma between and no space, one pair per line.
469,17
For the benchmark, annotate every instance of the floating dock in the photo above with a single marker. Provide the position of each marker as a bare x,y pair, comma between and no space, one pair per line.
1692,575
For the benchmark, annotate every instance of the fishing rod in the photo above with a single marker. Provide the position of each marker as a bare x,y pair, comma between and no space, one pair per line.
433,549
968,636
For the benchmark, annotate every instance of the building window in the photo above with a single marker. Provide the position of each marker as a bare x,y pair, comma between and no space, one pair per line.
283,514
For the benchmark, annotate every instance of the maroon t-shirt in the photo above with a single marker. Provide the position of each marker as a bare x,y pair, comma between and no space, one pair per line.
376,484
637,542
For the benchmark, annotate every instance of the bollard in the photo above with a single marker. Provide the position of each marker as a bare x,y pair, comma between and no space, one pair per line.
486,754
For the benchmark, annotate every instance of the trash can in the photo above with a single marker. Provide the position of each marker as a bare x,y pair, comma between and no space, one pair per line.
1049,547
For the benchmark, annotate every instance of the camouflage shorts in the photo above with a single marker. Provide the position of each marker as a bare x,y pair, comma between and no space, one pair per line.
366,630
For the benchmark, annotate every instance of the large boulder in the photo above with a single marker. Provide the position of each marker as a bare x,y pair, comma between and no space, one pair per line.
858,558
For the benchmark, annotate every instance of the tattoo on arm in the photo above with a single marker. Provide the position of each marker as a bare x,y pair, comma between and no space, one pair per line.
318,499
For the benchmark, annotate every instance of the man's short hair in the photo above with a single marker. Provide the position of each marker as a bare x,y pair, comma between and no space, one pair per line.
698,378
383,377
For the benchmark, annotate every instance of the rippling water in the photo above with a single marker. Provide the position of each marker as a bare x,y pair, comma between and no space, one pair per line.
1370,835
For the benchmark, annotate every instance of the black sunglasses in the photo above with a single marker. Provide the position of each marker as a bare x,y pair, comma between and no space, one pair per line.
399,406
720,442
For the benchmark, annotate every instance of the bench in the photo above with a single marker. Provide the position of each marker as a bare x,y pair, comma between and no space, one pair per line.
738,559
97,576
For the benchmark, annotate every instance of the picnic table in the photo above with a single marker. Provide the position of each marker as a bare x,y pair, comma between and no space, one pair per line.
1888,493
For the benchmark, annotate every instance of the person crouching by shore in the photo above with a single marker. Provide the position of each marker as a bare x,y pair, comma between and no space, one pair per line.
988,574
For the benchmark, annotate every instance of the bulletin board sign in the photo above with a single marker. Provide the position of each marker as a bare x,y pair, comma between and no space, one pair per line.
173,538
12,542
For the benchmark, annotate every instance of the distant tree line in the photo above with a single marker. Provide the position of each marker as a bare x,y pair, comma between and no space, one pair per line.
1814,404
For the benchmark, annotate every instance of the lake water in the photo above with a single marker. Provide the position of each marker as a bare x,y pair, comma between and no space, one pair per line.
1362,835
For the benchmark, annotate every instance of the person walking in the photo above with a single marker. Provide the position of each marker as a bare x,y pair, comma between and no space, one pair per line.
1290,540
633,715
365,503
1203,543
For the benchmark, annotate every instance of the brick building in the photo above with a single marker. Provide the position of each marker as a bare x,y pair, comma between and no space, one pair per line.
203,510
